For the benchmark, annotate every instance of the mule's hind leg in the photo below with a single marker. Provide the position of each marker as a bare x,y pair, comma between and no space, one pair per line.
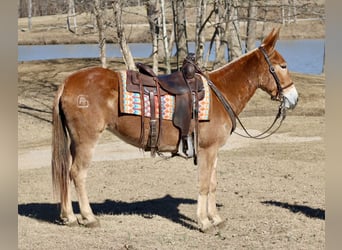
82,155
67,215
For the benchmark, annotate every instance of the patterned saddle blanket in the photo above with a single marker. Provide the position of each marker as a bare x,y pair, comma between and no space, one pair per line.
130,102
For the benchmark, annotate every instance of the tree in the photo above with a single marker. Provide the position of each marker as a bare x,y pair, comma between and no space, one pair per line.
201,6
126,52
29,19
165,41
179,22
221,18
72,14
294,10
233,35
251,25
102,38
154,16
227,32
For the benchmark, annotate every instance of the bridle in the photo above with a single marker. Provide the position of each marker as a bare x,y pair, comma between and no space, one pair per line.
279,96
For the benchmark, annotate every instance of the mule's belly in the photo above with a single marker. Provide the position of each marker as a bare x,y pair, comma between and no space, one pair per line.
128,129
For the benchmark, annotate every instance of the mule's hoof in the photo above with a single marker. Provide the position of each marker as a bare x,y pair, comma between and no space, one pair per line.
93,224
208,230
89,224
206,226
66,222
221,224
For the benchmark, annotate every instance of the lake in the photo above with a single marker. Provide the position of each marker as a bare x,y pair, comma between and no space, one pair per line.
304,56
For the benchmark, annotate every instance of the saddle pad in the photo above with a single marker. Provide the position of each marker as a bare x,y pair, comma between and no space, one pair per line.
130,102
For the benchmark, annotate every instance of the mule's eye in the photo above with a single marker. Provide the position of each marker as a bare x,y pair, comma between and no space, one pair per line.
283,66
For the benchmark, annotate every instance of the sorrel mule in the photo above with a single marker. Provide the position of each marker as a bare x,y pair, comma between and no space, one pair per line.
87,103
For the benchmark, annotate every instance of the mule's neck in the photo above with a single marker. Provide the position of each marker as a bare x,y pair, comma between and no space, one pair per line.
237,80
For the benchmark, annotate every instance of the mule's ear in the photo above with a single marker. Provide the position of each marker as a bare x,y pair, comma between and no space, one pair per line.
270,41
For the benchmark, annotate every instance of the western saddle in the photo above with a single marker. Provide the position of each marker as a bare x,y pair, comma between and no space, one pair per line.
186,86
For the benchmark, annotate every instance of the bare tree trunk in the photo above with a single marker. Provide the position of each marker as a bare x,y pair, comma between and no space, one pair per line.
201,6
234,42
72,14
220,43
264,21
171,41
126,52
251,25
153,14
178,7
218,28
289,10
283,3
323,67
29,18
294,10
165,41
102,39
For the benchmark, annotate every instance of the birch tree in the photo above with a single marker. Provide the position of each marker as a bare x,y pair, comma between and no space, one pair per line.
29,16
72,15
100,26
221,19
165,41
201,6
283,4
179,22
233,35
154,19
126,52
227,32
251,25
294,10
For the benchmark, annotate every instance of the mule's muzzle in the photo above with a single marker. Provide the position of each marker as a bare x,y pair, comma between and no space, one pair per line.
290,98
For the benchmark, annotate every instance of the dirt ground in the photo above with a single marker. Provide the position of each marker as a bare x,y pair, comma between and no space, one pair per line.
272,191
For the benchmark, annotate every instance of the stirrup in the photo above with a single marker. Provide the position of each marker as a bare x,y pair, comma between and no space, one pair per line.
186,148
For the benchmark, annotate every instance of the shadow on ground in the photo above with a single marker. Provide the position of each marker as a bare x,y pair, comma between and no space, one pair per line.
166,207
307,211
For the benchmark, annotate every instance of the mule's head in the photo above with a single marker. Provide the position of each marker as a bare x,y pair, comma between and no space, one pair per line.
275,78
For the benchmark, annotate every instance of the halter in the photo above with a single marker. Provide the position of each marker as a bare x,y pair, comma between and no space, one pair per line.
280,89
279,96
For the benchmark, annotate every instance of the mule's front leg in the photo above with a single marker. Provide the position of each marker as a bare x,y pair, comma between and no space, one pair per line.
212,209
206,208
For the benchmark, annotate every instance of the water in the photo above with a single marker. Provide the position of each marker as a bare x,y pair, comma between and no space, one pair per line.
304,56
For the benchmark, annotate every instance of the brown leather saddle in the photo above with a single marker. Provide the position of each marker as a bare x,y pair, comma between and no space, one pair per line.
187,91
173,84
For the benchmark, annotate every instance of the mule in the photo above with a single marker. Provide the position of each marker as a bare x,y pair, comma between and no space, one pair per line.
87,103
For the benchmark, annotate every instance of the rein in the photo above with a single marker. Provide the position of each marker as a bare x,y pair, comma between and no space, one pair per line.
281,113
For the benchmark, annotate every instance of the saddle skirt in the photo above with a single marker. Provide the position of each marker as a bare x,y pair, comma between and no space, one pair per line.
130,101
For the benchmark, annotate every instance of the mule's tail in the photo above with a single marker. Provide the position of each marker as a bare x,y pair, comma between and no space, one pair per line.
60,150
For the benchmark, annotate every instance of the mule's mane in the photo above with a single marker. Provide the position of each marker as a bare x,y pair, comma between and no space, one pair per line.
233,78
236,60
